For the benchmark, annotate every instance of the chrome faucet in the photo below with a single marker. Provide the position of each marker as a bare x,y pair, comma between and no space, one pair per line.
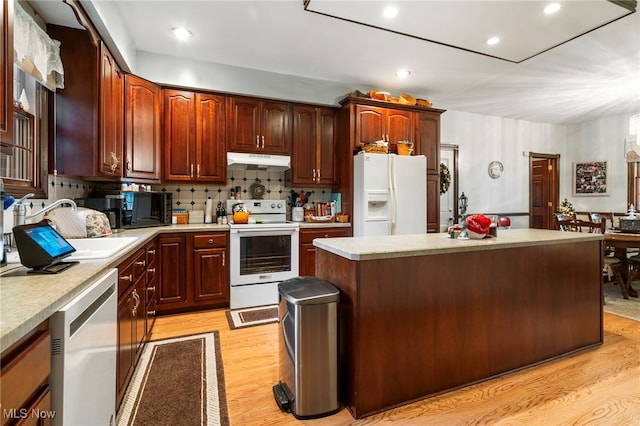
20,209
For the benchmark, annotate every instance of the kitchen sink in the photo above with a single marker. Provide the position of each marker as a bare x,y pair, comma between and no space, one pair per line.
98,248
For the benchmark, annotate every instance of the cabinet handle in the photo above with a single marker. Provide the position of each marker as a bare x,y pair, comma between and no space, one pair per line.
152,270
151,288
262,142
314,175
257,141
114,161
151,252
198,170
318,176
223,259
210,241
191,174
128,165
127,277
140,263
151,313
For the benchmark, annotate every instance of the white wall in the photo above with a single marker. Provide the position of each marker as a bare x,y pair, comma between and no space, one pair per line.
483,139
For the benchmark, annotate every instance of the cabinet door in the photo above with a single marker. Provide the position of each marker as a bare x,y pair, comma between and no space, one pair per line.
433,203
307,257
210,138
179,135
307,264
326,133
111,115
143,100
210,281
399,127
126,351
244,124
427,139
171,292
6,73
139,315
304,156
370,125
275,136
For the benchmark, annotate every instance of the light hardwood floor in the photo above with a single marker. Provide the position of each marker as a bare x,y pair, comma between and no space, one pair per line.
599,386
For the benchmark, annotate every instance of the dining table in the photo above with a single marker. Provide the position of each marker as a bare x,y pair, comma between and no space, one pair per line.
620,242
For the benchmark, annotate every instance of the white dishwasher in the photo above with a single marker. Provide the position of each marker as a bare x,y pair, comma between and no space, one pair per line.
83,356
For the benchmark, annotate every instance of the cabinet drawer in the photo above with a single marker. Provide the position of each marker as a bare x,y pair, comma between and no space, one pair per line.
130,271
25,371
209,240
307,236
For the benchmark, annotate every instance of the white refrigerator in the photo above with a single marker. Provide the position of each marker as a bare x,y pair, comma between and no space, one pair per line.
390,194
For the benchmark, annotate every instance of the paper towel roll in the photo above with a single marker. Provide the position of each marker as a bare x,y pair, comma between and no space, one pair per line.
208,211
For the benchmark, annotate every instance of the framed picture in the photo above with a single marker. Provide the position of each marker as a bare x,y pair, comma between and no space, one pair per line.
590,178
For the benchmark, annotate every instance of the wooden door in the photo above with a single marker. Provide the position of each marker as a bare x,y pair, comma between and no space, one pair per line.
326,134
243,133
304,161
179,135
6,73
143,101
172,289
543,191
111,111
210,282
125,354
275,135
370,125
427,139
210,149
399,127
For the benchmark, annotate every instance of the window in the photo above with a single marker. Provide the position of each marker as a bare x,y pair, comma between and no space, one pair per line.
633,171
24,169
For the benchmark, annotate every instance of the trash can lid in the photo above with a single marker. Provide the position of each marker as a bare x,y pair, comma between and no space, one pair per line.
308,291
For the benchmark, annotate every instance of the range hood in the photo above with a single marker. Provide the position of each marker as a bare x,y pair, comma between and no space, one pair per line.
244,161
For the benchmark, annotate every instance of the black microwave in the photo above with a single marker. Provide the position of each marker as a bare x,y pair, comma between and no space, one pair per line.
144,209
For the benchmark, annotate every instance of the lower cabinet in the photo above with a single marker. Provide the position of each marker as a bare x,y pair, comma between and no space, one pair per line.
194,272
307,265
25,378
131,319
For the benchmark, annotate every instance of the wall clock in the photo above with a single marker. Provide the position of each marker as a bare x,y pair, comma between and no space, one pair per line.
495,169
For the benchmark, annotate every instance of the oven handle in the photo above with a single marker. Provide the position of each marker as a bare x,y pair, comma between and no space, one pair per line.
269,231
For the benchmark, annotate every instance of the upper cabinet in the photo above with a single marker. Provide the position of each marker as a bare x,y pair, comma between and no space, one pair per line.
427,139
382,124
6,75
143,114
194,136
259,126
314,136
90,108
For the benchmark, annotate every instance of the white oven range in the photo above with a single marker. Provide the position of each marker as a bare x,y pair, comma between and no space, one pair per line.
262,253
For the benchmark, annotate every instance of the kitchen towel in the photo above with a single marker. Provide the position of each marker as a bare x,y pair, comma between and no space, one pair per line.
208,211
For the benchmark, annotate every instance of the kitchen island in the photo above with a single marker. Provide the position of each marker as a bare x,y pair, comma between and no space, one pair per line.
424,314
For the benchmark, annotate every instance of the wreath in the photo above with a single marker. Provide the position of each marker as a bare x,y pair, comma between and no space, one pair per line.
445,178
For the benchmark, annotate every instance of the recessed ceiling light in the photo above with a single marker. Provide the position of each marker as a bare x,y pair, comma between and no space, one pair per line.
390,12
552,8
493,41
181,33
403,73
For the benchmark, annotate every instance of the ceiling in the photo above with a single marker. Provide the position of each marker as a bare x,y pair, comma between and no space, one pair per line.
578,65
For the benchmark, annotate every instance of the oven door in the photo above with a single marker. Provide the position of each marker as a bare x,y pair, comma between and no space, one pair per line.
263,255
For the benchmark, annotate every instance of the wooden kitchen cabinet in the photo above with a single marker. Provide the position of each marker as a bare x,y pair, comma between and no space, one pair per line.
259,126
194,136
373,124
427,139
150,288
6,77
210,281
26,366
131,319
307,263
171,289
142,129
314,136
89,110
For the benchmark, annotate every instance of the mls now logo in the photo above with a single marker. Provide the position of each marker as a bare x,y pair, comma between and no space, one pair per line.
24,413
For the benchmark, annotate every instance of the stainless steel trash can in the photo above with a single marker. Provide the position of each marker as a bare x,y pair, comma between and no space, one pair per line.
308,347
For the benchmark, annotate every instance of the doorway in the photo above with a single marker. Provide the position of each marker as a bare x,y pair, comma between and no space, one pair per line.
449,200
543,190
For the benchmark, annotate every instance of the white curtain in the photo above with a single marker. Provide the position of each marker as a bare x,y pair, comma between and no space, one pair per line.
35,52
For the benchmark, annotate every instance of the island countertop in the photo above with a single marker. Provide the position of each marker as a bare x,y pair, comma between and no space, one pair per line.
391,246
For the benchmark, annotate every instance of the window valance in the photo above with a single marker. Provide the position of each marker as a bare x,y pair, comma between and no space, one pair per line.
35,52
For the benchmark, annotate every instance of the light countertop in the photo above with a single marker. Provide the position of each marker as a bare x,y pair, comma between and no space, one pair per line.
383,247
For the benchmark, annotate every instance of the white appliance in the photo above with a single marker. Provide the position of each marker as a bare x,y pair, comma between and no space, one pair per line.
268,162
83,356
389,194
262,253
